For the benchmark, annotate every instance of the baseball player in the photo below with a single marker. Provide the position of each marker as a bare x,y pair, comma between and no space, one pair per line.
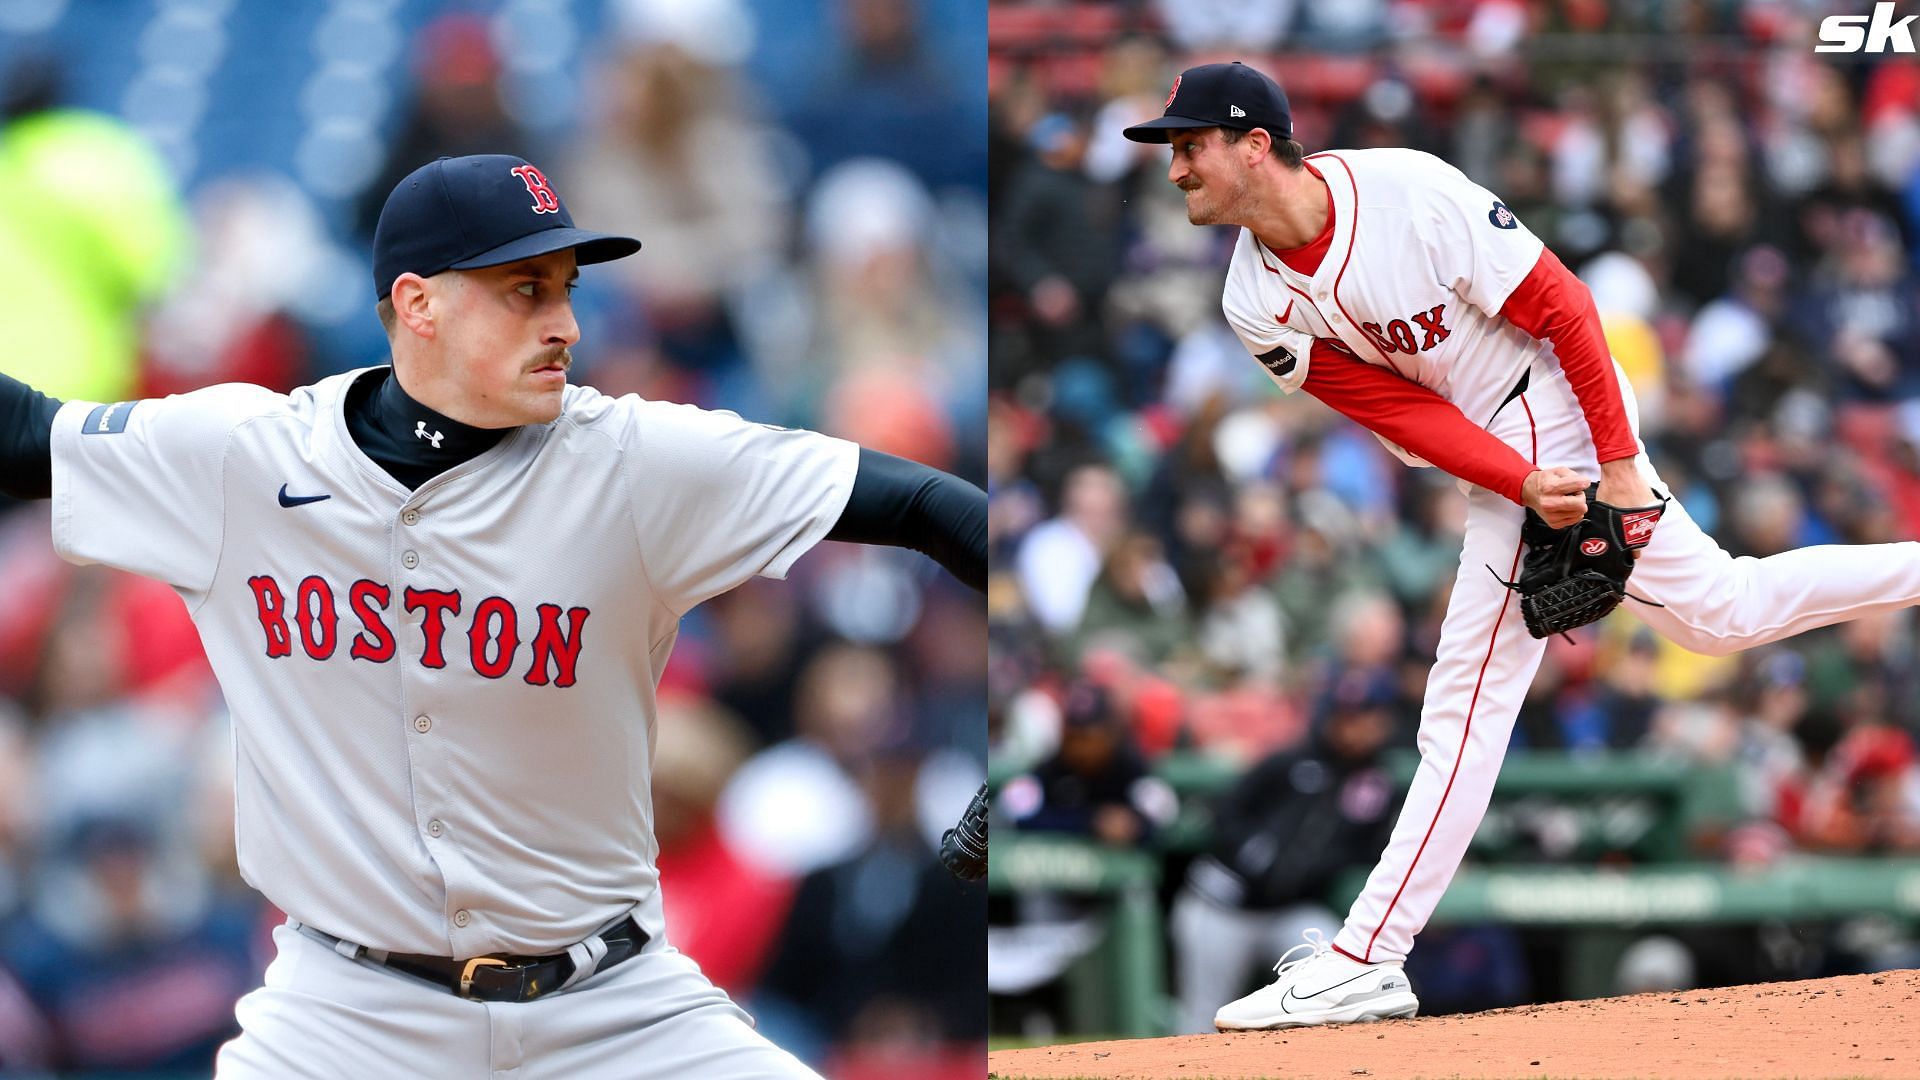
1407,297
438,595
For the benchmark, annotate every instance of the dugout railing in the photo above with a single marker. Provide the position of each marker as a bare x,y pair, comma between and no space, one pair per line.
1624,828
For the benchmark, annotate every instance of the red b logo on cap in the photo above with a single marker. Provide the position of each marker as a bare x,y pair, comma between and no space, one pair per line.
544,200
1171,94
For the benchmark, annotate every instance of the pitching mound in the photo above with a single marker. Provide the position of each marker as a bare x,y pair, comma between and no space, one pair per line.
1853,1026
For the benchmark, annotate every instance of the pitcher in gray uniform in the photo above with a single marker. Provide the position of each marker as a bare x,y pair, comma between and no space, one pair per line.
438,596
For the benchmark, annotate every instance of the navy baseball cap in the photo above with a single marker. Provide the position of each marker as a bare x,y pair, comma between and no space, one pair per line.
1220,95
482,210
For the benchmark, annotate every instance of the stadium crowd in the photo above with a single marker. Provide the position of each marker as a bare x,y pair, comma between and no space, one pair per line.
1186,560
808,181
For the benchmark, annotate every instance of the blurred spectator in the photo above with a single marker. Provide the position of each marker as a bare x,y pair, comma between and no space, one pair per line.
875,948
1061,557
1137,600
1096,785
721,909
131,961
1281,836
95,233
678,159
1052,240
797,806
879,87
458,108
1866,798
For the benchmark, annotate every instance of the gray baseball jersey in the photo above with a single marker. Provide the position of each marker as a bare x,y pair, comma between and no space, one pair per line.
443,699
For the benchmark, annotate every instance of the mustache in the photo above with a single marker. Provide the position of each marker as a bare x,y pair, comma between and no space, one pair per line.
559,354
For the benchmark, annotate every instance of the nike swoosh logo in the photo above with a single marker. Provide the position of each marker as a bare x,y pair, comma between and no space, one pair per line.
299,500
1289,314
1293,992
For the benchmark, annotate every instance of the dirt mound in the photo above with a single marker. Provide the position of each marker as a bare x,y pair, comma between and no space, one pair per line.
1853,1026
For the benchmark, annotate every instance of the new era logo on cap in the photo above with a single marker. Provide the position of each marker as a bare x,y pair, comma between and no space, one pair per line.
1220,95
480,210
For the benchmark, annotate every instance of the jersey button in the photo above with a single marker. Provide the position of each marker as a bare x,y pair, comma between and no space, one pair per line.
411,517
461,918
423,724
409,560
434,828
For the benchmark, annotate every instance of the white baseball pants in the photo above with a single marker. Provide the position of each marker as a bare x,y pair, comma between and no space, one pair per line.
321,1015
1715,604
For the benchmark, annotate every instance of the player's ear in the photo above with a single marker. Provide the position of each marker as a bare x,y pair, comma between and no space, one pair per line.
411,304
1257,144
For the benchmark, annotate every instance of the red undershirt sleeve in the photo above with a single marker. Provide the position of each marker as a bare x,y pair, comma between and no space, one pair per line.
1416,418
1554,306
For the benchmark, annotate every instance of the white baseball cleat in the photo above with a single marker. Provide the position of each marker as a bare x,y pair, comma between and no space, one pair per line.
1322,987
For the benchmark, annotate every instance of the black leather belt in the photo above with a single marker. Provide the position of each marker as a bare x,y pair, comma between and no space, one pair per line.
503,978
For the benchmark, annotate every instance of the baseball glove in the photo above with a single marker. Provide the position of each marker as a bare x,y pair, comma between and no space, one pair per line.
963,848
1577,575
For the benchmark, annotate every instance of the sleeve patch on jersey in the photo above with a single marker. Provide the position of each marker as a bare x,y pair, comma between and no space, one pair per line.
1502,217
1279,360
108,419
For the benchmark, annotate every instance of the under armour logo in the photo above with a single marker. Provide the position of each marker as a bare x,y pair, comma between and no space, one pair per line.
420,432
544,200
1235,110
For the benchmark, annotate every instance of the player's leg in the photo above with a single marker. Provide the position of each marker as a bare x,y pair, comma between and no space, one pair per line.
1718,604
655,1016
1480,675
321,1016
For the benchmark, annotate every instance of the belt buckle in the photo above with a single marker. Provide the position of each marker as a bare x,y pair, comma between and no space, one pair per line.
466,974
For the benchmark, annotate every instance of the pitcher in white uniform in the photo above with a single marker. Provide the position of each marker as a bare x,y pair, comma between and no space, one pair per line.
1402,294
438,596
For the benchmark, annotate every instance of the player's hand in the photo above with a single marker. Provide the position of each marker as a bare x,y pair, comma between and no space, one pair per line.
1558,495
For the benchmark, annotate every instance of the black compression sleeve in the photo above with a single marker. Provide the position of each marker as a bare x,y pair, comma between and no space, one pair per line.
903,503
26,440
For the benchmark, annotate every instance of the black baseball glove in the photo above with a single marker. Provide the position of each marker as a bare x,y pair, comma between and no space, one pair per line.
964,847
1577,575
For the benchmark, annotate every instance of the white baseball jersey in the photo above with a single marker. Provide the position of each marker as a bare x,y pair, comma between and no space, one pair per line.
1421,261
443,699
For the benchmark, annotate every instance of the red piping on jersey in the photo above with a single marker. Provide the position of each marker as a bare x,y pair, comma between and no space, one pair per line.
1460,755
1353,234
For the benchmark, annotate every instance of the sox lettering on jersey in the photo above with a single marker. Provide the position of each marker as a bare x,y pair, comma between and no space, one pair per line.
1397,336
493,630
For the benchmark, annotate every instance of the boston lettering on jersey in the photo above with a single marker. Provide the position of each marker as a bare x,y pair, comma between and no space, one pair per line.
1397,337
493,630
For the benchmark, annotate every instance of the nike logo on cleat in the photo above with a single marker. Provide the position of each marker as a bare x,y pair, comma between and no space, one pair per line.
298,500
1293,992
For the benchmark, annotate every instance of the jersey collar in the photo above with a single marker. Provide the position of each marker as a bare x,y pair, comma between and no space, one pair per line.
428,436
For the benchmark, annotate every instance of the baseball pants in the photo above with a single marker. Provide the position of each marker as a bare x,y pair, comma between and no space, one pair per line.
321,1015
1715,604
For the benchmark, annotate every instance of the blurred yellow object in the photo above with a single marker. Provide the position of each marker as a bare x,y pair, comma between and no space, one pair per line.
1636,346
91,228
